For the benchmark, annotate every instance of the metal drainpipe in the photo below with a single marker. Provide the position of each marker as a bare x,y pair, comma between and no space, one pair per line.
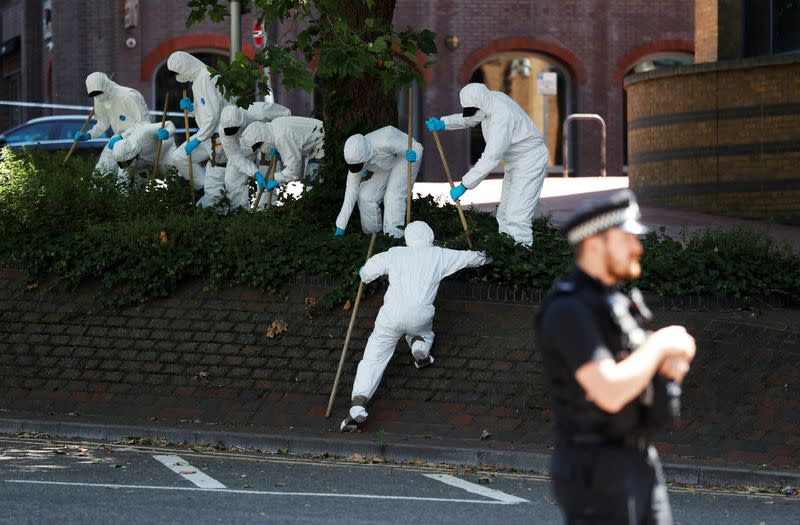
236,28
585,116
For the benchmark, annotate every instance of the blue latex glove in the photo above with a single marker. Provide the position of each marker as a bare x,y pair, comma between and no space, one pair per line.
113,141
457,192
190,146
411,155
81,136
339,232
186,103
163,134
435,124
271,185
274,152
260,179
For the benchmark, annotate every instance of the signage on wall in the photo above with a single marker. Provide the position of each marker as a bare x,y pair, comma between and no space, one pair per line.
547,83
260,28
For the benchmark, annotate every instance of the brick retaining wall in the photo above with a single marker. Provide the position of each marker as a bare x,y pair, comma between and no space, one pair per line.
206,356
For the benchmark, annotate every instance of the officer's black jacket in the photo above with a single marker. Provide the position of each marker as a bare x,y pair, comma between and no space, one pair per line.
576,325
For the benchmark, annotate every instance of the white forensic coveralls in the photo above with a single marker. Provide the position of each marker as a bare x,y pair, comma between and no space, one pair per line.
511,137
383,152
414,271
241,160
117,107
299,141
208,104
139,144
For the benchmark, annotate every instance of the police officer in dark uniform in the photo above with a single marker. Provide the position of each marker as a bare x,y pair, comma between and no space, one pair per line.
612,383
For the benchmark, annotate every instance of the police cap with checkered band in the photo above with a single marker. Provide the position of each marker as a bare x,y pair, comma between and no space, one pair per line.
616,210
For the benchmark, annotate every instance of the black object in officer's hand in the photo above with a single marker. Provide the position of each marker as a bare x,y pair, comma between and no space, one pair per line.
631,314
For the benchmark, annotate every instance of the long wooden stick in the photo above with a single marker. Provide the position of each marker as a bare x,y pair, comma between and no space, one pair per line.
83,128
75,142
186,128
272,164
410,114
158,142
450,179
349,332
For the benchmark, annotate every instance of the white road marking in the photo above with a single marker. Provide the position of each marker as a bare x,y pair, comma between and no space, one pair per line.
179,466
477,489
264,492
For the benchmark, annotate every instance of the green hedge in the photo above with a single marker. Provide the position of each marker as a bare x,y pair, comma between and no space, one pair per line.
141,244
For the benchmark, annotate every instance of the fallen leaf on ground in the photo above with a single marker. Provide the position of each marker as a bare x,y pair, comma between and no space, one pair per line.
486,434
276,328
347,305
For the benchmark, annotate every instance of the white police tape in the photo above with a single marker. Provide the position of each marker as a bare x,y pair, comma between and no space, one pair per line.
68,106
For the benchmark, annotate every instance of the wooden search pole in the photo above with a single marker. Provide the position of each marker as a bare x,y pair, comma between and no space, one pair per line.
410,116
349,331
83,128
272,164
158,145
450,179
186,128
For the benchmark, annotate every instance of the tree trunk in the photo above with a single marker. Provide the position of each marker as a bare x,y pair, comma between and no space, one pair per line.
359,105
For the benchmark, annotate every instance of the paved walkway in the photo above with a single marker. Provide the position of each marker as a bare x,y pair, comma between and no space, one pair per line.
560,196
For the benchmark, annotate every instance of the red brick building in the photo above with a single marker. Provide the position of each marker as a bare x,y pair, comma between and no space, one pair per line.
589,44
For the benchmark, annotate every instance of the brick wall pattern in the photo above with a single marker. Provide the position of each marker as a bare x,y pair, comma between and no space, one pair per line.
206,356
721,137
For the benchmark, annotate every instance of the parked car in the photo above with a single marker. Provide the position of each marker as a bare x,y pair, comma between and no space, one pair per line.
57,133
52,133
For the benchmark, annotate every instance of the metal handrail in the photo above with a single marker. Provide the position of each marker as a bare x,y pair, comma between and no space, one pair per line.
585,116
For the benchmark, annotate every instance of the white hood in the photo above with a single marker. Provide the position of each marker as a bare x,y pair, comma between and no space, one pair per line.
98,81
418,233
257,132
358,149
186,66
233,117
476,95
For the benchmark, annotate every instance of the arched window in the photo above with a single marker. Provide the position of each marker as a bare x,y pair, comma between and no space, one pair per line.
165,82
515,74
643,65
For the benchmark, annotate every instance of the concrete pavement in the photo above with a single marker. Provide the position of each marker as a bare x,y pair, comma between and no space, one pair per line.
561,196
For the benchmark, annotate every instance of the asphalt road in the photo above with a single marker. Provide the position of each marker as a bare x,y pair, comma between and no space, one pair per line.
45,481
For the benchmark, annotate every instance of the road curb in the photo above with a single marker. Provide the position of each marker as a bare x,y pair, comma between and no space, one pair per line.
521,460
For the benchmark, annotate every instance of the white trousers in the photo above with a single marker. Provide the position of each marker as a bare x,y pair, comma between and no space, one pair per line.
391,187
525,171
390,325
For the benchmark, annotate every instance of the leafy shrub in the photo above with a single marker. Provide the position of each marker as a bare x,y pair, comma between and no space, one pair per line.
142,243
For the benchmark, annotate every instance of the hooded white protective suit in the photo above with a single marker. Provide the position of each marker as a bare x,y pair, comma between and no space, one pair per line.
208,101
241,160
414,271
117,107
511,137
298,140
139,145
383,152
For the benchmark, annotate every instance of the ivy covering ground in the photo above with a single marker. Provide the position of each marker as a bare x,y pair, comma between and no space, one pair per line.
141,244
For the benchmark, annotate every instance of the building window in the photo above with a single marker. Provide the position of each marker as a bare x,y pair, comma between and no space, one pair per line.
771,27
515,74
